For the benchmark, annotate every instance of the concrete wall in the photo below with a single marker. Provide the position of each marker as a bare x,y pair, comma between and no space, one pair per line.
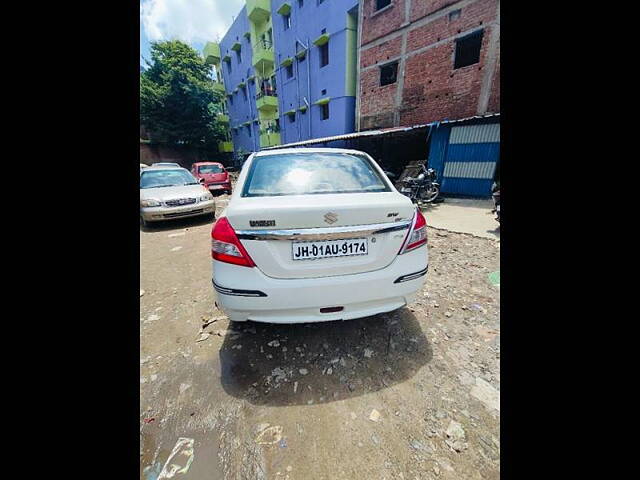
421,35
336,80
243,107
310,79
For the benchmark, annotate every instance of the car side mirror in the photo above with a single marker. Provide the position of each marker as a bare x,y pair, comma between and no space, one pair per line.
201,180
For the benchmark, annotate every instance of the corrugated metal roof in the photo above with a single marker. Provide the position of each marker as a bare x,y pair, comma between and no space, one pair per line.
373,133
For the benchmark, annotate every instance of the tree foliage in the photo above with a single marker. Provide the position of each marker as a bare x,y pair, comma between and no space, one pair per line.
177,102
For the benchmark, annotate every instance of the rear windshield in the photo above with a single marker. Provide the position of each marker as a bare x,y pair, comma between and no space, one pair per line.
210,169
312,173
166,178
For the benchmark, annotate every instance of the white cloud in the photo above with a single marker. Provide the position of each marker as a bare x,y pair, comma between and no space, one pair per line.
188,20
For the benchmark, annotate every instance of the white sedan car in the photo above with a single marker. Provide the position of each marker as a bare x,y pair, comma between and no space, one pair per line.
318,234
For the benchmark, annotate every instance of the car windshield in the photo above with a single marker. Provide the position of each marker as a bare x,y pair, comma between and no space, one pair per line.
312,173
166,178
210,169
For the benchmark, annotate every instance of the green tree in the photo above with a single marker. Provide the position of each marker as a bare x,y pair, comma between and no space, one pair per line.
177,102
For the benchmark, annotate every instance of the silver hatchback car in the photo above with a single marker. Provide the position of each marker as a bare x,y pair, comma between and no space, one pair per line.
172,192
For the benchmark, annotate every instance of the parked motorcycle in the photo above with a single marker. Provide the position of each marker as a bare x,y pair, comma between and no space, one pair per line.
495,192
422,188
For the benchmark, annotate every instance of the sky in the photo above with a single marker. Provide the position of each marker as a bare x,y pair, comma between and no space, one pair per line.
195,22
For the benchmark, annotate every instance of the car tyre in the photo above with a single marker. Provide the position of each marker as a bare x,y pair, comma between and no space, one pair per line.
143,222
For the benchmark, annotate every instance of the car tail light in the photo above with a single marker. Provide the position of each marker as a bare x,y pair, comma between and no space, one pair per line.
225,246
417,234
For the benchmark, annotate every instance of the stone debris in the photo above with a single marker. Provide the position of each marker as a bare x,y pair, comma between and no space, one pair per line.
295,387
303,371
203,336
485,392
141,292
416,445
175,249
456,436
179,234
374,416
208,321
274,343
270,435
368,352
278,374
184,387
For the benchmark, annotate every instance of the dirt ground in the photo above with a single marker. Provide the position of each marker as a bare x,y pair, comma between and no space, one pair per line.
413,394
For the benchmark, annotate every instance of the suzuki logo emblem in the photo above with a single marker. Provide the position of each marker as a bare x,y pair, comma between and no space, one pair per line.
330,217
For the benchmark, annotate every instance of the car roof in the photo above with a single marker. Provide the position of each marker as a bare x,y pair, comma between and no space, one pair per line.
280,151
208,163
166,167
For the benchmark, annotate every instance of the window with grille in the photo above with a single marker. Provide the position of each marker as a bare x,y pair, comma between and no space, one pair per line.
468,49
388,74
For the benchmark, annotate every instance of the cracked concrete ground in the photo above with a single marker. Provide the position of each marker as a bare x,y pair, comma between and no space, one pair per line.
412,394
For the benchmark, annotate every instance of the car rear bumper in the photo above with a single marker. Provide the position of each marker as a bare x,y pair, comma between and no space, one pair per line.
247,294
154,214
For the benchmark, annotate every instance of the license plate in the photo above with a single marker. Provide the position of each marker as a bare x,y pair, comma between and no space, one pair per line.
329,249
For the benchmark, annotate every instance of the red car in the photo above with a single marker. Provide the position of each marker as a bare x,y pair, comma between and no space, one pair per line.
213,176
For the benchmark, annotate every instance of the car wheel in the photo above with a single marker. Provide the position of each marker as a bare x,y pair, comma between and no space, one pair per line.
143,222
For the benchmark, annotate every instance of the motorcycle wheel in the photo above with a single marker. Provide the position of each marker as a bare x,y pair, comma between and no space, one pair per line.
430,197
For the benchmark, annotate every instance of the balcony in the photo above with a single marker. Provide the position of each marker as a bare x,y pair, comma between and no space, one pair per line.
211,53
225,147
269,139
262,57
258,10
266,103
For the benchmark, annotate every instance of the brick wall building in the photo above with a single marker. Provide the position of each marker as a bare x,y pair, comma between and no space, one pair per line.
427,60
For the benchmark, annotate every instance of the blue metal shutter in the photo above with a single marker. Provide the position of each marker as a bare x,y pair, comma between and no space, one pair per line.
470,160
